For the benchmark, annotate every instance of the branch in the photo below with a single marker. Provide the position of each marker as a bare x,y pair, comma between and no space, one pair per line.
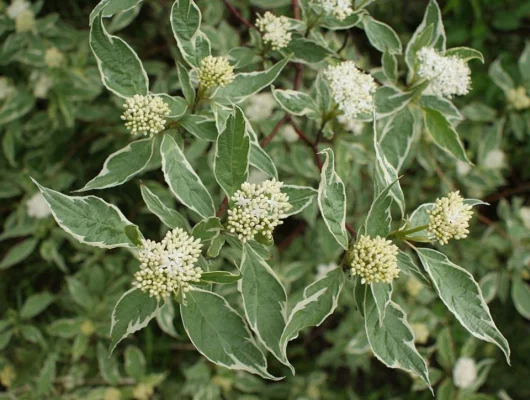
275,130
238,15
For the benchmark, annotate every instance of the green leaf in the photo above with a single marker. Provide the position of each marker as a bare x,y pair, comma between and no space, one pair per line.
17,106
444,135
300,197
79,293
264,301
165,318
393,341
389,100
79,347
18,253
133,234
232,152
398,135
88,219
45,380
32,334
108,365
409,267
463,297
246,84
382,295
208,228
295,102
5,338
120,67
200,127
185,23
134,362
382,36
185,84
177,105
132,312
379,219
442,105
223,277
445,349
36,304
330,22
332,199
220,334
111,7
500,77
168,216
64,328
524,65
521,297
465,53
390,66
184,183
306,51
319,301
261,160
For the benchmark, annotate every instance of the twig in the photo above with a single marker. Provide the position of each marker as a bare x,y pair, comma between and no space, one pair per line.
313,146
346,36
522,188
350,229
275,130
238,15
500,231
296,9
298,230
222,208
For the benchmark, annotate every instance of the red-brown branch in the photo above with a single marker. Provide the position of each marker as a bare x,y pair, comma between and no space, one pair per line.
296,9
297,231
238,15
275,130
222,208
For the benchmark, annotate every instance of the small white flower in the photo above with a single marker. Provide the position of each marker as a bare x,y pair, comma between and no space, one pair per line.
518,98
323,269
289,134
449,218
37,206
374,260
42,86
339,8
256,176
464,372
25,21
16,8
524,213
145,115
351,124
352,89
421,332
215,71
260,106
257,209
495,159
168,266
275,30
53,57
6,87
462,168
413,287
450,76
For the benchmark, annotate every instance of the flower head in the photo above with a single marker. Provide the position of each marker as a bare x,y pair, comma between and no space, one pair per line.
37,206
518,98
495,159
6,87
275,30
450,76
352,89
421,332
374,260
42,86
25,21
257,209
53,57
288,133
338,8
168,266
215,71
260,106
16,8
464,372
145,114
351,124
7,376
449,218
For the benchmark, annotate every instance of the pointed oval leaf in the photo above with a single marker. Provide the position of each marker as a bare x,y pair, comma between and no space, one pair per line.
300,197
169,217
295,102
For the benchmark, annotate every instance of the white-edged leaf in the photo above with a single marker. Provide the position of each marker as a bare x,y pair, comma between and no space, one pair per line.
35,304
17,106
442,105
334,24
184,183
462,295
521,297
379,219
185,83
319,301
295,102
120,67
259,159
465,53
88,219
300,197
200,127
177,105
134,362
306,51
132,312
171,218
398,136
220,334
264,301
524,65
332,199
500,77
18,253
108,365
111,7
382,295
382,36
165,317
393,341
232,151
407,265
123,165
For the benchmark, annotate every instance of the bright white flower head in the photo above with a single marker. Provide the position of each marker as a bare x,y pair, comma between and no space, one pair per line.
518,98
257,209
339,8
6,87
145,114
351,124
260,106
450,76
168,266
449,218
495,159
215,71
53,57
374,260
37,206
16,8
42,86
464,372
462,167
275,30
25,21
421,332
352,89
289,134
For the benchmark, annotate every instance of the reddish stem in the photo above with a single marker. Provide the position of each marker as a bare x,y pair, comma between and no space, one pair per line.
298,230
275,130
222,208
238,15
296,9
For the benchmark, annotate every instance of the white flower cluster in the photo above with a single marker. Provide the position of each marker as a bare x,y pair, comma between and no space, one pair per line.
338,8
145,114
449,218
421,332
6,87
352,89
260,106
275,30
257,209
37,206
215,71
25,21
374,260
518,98
42,84
450,76
495,159
53,57
464,372
351,124
168,266
16,8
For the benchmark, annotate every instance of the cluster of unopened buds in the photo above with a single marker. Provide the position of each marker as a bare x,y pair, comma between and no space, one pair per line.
215,71
449,218
145,115
374,260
